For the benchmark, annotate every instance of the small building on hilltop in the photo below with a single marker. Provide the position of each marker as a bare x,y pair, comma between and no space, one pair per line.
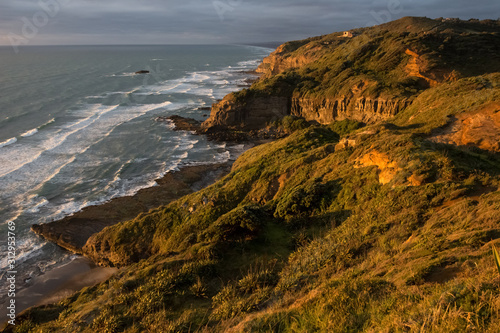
348,34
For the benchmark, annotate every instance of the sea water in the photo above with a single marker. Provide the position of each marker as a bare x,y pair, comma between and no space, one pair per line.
77,128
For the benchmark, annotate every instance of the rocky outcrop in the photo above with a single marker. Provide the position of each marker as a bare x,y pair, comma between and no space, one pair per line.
414,68
364,109
257,112
480,128
181,123
280,60
253,114
73,232
388,167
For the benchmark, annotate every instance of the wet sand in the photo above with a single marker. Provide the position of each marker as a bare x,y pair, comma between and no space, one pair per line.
58,284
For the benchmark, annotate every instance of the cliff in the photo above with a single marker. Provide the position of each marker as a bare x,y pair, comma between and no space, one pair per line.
259,111
256,112
366,110
369,77
280,60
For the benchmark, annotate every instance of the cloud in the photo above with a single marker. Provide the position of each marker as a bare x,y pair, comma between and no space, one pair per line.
217,21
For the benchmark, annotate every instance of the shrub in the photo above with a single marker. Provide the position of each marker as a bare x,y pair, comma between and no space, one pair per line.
345,126
292,123
240,224
302,200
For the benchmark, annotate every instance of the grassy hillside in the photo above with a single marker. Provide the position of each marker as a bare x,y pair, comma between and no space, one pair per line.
335,228
378,60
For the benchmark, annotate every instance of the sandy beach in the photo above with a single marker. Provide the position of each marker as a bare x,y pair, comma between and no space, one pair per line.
58,284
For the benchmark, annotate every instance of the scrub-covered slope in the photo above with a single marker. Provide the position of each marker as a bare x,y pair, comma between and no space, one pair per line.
369,77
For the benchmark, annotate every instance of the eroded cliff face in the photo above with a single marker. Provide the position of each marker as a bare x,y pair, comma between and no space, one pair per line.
253,114
327,110
280,60
257,112
416,68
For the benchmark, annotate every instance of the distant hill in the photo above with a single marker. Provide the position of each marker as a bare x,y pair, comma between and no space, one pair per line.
368,77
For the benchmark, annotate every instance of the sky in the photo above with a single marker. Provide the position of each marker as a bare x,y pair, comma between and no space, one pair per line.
95,22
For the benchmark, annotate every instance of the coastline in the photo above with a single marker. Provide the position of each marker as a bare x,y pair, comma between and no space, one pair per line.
59,283
72,231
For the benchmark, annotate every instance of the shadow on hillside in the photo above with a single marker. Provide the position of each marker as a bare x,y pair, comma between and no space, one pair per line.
467,158
394,127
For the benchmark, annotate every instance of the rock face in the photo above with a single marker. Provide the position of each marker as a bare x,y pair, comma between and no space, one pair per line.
388,167
254,114
276,62
257,112
181,123
361,109
480,128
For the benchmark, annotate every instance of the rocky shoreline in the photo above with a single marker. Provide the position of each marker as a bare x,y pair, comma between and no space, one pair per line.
72,232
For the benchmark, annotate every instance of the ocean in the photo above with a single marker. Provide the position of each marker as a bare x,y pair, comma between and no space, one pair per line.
77,128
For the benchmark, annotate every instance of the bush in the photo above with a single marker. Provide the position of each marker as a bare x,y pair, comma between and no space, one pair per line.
292,123
238,225
345,126
302,200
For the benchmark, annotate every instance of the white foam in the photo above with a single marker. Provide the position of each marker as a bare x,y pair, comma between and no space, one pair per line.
169,124
181,156
122,74
8,142
66,209
26,247
249,63
18,157
223,157
36,208
35,130
32,165
116,178
47,123
30,132
220,82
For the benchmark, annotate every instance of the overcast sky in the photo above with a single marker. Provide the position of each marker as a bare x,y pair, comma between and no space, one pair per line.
51,22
